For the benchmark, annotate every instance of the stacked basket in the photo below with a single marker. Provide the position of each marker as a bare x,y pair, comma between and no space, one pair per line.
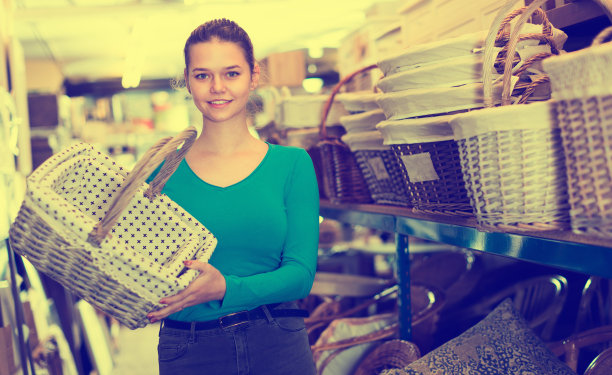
511,155
107,236
582,89
377,161
427,85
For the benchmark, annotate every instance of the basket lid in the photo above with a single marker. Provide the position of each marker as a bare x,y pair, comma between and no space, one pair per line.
368,140
536,115
363,121
416,130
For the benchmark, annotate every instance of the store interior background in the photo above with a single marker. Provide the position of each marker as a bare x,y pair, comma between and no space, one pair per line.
106,72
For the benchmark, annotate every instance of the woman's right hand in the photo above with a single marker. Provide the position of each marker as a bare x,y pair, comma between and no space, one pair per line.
208,286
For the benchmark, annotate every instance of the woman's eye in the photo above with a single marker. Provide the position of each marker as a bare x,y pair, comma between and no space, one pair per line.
201,76
233,74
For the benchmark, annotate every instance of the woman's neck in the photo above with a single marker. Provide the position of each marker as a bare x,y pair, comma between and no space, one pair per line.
225,138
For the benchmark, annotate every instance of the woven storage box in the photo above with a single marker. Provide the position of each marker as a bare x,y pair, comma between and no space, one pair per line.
582,86
357,102
107,236
430,163
379,167
512,157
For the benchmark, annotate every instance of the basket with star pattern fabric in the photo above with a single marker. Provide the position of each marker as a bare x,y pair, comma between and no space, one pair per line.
107,236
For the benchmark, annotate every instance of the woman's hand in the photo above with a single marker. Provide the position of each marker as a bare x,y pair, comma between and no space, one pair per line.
208,286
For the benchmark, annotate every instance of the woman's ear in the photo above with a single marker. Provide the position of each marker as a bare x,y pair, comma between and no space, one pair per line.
186,75
255,76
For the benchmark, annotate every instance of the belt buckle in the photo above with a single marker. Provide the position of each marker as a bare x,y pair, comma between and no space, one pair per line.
235,316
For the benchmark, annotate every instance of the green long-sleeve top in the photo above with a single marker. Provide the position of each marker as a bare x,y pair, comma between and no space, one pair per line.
267,228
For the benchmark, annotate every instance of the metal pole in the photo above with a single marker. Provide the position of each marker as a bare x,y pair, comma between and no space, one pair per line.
403,271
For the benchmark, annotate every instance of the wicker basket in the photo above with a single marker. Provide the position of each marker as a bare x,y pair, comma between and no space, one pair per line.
338,170
582,87
430,164
512,157
379,167
99,233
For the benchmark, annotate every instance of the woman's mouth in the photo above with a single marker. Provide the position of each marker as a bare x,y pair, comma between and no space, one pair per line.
219,103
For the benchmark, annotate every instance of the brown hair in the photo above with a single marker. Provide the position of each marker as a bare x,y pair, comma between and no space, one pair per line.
223,30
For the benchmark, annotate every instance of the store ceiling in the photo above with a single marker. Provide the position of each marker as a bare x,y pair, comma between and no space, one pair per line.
93,40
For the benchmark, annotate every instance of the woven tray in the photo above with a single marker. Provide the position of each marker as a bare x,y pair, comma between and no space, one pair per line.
105,235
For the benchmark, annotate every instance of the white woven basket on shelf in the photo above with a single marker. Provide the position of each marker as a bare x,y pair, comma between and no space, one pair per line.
106,235
512,156
363,121
582,87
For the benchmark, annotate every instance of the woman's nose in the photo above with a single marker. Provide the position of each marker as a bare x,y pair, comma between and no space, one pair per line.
217,85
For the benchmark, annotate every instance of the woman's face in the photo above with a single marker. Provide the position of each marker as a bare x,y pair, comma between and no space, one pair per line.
219,80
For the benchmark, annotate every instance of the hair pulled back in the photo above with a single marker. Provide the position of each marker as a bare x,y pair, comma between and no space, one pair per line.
222,30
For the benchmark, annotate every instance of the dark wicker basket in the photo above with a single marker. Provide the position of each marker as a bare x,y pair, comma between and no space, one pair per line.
447,193
339,173
389,190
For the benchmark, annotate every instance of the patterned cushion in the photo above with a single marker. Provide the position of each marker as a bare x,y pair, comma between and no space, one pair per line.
501,343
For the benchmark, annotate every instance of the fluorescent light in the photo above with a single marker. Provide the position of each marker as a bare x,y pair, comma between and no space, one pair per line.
312,85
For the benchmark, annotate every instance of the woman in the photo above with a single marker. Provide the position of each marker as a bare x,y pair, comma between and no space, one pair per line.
261,202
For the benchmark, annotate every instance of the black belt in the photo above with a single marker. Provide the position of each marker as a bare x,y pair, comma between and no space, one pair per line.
235,319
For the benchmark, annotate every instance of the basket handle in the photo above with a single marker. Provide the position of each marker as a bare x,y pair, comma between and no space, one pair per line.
330,100
489,54
165,148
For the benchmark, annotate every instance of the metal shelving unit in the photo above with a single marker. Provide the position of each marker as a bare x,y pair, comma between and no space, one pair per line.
560,249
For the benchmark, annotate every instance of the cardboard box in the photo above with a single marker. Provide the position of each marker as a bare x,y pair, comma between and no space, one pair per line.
284,69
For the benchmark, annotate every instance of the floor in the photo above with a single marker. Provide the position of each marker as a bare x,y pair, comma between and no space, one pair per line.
137,351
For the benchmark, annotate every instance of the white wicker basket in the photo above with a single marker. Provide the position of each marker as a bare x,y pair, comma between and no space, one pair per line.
512,158
105,235
582,87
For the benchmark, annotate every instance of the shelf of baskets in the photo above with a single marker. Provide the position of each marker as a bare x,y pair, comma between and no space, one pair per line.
560,249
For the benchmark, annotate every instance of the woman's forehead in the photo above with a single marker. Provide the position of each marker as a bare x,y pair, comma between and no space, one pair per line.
217,54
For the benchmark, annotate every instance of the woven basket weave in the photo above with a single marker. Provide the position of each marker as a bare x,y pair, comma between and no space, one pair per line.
512,157
106,236
582,87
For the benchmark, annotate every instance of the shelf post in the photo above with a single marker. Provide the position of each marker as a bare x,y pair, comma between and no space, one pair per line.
403,271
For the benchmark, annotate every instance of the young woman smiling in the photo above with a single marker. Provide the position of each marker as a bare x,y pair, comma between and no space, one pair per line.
261,202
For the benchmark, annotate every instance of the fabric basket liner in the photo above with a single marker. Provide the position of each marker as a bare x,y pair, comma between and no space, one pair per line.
416,130
360,101
136,264
363,121
581,74
463,45
304,111
433,101
449,72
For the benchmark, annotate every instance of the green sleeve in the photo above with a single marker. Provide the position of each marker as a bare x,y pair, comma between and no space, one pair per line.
295,275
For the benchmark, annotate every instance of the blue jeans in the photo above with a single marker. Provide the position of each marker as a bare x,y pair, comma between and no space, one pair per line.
275,346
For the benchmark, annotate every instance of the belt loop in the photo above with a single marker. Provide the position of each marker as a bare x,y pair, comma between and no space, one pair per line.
192,333
267,313
161,325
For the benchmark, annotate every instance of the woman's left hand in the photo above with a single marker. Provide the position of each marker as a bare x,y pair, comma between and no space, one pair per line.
208,286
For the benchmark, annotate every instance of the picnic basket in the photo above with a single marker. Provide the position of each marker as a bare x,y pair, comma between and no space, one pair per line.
105,234
511,155
582,88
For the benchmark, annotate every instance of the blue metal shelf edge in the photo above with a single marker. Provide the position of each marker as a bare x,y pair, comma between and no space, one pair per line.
589,258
